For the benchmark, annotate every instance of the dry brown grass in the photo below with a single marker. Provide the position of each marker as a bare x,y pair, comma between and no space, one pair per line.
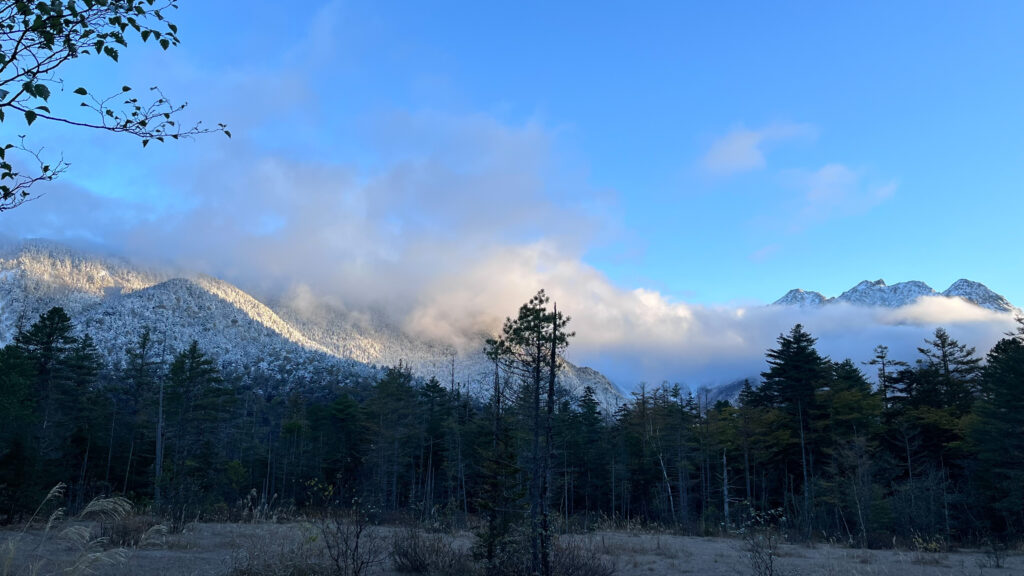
295,548
262,555
80,545
414,551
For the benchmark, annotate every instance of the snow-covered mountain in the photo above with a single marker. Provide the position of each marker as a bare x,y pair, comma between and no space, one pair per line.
798,297
878,293
979,294
312,345
114,301
371,337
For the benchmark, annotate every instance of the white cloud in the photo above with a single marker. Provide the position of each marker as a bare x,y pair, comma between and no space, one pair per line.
742,150
641,335
835,191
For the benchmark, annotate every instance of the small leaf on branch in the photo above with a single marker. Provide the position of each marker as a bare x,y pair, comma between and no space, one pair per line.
30,117
81,91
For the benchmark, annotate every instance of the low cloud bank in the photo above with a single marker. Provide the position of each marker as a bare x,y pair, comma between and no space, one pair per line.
640,335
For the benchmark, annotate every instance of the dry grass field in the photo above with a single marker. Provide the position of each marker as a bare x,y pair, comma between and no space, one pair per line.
208,549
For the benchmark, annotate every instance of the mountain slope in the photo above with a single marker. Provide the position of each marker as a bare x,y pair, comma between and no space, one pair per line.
878,293
113,301
979,294
372,338
798,297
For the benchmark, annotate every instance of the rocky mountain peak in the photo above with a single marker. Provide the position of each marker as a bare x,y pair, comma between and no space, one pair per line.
878,293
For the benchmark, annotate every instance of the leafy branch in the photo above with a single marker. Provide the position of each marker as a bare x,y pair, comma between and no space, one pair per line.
37,39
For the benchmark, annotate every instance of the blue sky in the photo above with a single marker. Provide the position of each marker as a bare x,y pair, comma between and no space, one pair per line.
923,98
701,154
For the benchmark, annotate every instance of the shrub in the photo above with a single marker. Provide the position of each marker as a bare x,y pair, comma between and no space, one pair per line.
261,557
352,543
995,553
133,531
572,558
763,548
414,552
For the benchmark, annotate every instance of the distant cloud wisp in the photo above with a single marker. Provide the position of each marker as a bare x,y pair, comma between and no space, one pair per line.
834,191
742,149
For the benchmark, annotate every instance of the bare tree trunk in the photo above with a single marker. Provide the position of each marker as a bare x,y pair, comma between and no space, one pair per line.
462,478
158,465
493,517
945,498
668,487
535,480
267,480
545,549
860,510
684,506
725,490
746,471
613,486
905,434
128,469
803,463
85,468
110,445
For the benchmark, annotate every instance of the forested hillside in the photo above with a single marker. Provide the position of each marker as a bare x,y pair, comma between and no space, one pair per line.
260,345
931,450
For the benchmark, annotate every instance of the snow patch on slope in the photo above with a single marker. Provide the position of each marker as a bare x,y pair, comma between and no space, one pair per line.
979,294
879,294
302,343
372,338
798,297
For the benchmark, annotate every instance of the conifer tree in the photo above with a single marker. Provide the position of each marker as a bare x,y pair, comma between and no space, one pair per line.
48,346
138,415
849,419
886,369
796,372
531,344
195,403
18,417
956,367
996,434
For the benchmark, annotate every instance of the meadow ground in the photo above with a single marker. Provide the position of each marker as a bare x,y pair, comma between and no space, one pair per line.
215,549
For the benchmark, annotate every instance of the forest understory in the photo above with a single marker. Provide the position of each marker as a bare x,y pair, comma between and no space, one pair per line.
240,549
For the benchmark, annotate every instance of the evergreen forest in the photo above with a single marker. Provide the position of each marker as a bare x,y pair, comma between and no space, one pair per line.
874,454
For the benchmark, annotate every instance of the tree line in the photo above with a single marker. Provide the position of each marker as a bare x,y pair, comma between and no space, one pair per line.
933,450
